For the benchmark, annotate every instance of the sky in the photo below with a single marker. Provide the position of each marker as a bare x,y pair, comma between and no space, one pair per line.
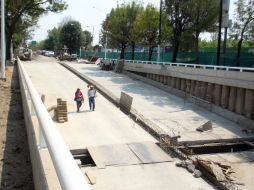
90,13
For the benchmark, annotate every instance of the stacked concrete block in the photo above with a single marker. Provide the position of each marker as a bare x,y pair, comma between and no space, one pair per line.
61,111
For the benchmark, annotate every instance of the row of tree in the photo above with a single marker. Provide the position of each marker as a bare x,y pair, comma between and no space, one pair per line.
21,17
69,33
182,22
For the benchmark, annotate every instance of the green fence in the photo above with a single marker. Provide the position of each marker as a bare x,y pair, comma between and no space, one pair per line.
206,57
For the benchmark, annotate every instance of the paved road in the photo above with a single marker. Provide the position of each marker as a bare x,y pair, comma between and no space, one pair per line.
172,114
106,126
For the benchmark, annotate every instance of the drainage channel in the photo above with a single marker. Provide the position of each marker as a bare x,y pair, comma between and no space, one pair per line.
215,148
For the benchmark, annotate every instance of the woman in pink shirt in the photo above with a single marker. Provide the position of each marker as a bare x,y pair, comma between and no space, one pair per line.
79,98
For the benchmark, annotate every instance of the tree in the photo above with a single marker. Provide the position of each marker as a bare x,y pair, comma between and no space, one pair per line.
22,14
243,24
203,18
133,10
118,24
179,13
52,41
86,38
146,28
70,35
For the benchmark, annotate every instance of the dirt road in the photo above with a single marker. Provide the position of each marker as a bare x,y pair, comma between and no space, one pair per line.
15,166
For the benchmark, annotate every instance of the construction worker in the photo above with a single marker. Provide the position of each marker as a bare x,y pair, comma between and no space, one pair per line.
78,98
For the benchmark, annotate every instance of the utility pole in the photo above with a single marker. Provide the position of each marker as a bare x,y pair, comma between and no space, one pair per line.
105,49
159,40
3,51
219,35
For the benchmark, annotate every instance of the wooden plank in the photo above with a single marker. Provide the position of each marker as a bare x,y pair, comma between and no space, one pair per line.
149,152
91,178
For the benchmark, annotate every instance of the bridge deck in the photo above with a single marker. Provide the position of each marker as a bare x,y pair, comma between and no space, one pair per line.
107,125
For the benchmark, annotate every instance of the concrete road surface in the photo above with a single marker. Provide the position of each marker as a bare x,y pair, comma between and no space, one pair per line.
106,125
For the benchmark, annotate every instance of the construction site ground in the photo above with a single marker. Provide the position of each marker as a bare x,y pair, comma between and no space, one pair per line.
125,155
175,116
15,165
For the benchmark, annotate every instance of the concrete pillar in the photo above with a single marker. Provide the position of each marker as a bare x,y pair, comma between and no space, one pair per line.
249,103
178,83
192,90
240,93
183,85
217,94
161,78
158,78
232,99
224,96
169,81
209,92
165,80
197,89
188,86
203,90
173,82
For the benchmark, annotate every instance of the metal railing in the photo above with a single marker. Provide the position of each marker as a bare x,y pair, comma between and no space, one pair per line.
213,67
67,170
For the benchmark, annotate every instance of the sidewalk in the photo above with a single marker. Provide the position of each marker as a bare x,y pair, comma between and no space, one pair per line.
173,115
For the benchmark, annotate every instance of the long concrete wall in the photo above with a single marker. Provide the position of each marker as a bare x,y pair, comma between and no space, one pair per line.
44,174
230,90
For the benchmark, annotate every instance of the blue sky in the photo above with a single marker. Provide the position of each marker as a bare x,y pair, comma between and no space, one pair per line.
90,13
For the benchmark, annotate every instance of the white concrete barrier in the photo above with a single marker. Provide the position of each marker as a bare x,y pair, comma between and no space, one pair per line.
68,173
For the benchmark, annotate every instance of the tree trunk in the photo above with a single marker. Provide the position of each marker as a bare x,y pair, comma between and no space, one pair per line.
8,46
133,51
197,47
150,53
122,51
175,50
239,46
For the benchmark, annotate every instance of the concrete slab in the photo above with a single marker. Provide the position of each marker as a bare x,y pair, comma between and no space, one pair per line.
117,154
172,114
161,176
148,152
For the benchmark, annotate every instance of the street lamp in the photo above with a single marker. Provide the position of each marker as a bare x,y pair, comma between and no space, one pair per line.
3,51
159,40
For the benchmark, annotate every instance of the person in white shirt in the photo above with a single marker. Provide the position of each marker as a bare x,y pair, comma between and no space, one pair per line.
91,97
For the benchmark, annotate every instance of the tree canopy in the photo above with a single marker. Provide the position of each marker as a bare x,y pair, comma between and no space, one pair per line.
21,15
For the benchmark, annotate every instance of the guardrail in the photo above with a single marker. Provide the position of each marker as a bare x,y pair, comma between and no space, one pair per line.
213,67
67,170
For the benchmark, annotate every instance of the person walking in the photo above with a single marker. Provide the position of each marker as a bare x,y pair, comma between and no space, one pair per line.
79,98
91,97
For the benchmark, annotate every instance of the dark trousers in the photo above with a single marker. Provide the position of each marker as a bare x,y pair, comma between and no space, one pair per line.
91,103
79,104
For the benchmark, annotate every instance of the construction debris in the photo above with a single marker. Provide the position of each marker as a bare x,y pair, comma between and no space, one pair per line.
222,172
205,127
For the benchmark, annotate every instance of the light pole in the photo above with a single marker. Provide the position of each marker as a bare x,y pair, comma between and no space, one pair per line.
3,51
106,44
159,37
219,34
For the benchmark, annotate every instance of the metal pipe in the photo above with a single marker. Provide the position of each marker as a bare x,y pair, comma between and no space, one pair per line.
68,172
3,47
